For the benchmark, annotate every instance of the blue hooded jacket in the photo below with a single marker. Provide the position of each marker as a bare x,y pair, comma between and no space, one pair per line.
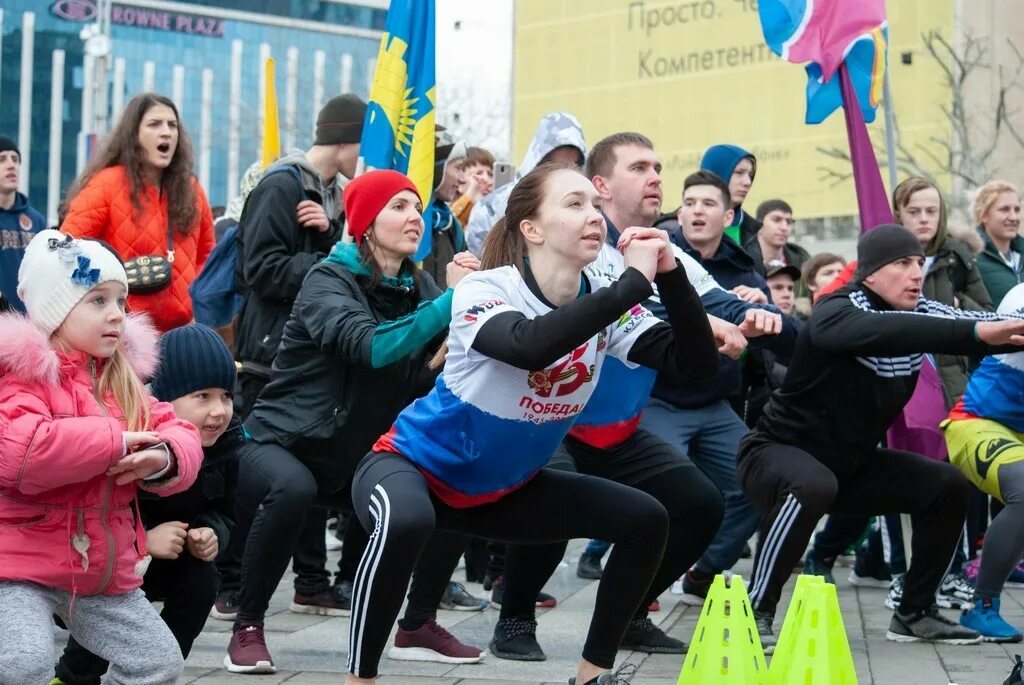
721,160
18,225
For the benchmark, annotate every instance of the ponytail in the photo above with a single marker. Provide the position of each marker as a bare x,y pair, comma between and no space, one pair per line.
505,244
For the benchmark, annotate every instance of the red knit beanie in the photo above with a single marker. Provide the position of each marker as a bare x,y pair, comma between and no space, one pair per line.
366,195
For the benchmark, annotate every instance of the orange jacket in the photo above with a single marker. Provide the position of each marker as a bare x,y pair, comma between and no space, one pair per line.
104,210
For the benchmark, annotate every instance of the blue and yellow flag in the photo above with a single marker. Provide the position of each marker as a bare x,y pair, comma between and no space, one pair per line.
399,129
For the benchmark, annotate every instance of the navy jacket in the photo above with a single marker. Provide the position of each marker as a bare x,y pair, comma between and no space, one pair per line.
18,225
730,266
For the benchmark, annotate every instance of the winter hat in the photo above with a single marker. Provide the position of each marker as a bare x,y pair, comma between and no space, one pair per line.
883,245
341,120
192,358
57,272
447,150
7,144
721,160
366,195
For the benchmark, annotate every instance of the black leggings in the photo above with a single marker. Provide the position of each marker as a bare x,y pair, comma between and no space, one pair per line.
647,463
394,503
276,493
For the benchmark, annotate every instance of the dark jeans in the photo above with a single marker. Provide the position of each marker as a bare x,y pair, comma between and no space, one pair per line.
393,500
188,589
276,493
795,490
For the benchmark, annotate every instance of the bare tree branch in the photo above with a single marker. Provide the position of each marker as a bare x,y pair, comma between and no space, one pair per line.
967,153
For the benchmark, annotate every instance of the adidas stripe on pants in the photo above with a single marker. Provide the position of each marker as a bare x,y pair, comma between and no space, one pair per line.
795,490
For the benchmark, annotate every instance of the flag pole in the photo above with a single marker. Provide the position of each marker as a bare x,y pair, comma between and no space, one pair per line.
890,131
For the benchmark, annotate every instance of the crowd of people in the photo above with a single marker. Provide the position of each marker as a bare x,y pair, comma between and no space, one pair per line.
189,403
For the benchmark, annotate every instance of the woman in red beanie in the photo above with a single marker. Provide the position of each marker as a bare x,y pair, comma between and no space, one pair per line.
353,354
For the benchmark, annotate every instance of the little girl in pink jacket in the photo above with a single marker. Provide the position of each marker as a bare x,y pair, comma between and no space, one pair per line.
79,435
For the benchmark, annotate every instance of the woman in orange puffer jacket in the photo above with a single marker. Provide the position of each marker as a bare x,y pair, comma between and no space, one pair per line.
136,193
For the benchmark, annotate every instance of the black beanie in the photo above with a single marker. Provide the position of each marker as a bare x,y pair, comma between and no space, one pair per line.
8,144
883,245
341,120
192,358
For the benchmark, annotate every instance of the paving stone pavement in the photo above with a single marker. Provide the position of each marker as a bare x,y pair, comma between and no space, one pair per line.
312,650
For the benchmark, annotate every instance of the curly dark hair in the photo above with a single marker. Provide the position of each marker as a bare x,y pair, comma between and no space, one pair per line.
121,148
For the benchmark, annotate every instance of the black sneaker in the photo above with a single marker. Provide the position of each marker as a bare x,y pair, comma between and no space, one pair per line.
930,626
764,620
813,566
643,636
589,567
457,598
695,587
335,601
870,570
516,639
1016,676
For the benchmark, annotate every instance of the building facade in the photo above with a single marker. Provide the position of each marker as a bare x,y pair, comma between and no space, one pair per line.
207,56
694,74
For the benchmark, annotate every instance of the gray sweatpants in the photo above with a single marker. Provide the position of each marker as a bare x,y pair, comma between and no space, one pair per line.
123,629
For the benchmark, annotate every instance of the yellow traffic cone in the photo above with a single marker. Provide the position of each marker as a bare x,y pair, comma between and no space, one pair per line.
816,651
726,649
788,633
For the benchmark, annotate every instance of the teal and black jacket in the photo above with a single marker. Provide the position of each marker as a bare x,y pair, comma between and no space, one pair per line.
352,356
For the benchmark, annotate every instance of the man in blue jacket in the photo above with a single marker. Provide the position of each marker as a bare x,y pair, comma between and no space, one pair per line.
697,417
19,222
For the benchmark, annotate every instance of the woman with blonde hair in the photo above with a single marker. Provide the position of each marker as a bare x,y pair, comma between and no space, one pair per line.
997,211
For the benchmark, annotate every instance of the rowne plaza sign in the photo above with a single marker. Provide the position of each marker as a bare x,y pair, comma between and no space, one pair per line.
126,15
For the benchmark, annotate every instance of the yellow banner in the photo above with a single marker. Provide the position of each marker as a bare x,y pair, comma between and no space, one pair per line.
696,73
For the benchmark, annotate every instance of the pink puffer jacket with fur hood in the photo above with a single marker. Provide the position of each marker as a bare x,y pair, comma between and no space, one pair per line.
56,444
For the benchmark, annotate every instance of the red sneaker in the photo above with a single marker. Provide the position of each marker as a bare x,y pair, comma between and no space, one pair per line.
545,601
247,652
655,606
431,642
225,608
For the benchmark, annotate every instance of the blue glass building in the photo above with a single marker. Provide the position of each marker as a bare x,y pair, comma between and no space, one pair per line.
196,35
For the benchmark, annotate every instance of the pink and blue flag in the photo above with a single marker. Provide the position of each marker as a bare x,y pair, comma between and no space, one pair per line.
823,34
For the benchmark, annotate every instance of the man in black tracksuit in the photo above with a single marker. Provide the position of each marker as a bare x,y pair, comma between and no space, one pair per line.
815,449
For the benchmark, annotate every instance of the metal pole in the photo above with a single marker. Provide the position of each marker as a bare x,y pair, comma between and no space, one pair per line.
206,129
82,157
291,97
346,73
178,87
1,37
371,67
234,118
319,66
101,69
148,77
890,133
56,136
28,42
117,99
261,105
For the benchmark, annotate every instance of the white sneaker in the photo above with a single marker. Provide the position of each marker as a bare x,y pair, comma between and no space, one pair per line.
333,544
895,594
